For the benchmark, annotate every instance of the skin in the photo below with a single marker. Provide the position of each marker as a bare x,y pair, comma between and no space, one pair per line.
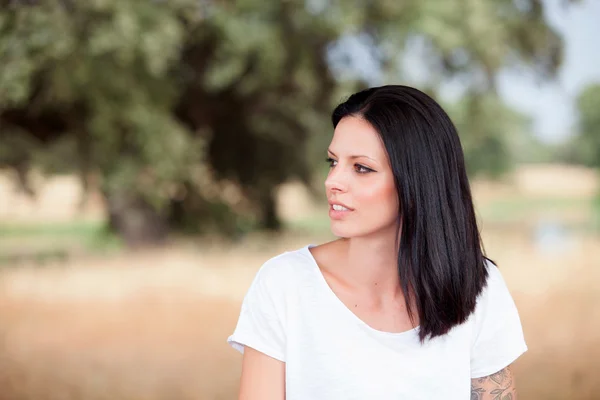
360,176
360,266
263,377
498,386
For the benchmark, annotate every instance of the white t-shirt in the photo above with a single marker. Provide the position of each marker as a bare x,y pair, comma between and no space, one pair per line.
291,314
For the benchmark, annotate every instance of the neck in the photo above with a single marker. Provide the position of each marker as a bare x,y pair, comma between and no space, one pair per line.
372,265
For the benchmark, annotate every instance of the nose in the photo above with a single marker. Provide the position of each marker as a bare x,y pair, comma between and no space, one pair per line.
336,181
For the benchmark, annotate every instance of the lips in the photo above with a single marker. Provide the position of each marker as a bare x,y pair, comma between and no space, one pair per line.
342,210
337,204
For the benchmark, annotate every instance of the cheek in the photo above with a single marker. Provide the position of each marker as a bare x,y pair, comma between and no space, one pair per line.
382,195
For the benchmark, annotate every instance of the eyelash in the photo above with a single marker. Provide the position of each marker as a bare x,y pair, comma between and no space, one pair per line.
364,170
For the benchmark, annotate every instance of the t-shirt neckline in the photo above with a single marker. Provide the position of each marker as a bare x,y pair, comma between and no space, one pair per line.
340,304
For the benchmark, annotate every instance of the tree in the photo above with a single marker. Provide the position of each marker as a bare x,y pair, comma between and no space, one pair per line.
491,133
192,112
587,139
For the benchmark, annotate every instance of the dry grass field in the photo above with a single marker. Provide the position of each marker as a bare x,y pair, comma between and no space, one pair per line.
152,324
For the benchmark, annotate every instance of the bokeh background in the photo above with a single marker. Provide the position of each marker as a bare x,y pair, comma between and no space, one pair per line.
153,154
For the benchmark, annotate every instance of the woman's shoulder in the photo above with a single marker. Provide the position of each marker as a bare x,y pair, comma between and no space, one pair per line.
495,281
495,296
497,338
286,267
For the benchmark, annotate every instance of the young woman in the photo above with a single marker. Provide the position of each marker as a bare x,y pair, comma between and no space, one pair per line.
404,305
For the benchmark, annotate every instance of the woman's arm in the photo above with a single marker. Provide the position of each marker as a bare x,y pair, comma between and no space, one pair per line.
263,377
500,386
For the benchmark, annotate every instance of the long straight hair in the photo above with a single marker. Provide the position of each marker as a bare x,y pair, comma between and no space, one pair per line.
441,261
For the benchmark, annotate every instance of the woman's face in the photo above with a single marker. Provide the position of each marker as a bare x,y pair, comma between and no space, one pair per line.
361,180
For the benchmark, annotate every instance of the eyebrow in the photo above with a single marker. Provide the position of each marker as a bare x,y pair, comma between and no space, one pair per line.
353,156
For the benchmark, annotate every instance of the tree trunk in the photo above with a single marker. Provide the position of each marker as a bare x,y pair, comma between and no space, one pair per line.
134,220
270,219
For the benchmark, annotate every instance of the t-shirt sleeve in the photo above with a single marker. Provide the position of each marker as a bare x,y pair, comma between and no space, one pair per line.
498,338
261,324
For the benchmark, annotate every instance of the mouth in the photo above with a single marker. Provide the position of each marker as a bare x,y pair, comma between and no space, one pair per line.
338,211
339,207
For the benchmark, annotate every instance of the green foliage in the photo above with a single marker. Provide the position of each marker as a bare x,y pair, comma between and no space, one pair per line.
491,133
103,67
172,101
587,140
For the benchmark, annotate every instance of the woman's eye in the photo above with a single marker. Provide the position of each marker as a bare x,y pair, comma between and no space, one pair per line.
362,169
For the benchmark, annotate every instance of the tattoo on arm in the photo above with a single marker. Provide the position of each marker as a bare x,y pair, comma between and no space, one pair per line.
498,386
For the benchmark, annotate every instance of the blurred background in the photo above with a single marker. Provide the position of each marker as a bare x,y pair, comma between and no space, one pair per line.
153,154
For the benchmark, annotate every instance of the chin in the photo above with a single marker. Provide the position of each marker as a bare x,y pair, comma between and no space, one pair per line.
340,231
349,231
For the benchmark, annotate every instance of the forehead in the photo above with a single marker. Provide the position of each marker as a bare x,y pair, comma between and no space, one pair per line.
357,136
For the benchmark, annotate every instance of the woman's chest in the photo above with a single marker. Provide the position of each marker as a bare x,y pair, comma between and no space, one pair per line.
329,357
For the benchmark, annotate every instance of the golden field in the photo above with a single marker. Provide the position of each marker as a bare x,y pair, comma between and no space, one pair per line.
152,324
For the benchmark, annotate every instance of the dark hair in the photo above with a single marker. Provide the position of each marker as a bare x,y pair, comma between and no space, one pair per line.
441,259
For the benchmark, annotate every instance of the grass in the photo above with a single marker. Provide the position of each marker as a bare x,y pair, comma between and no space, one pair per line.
75,229
153,325
45,243
507,209
312,224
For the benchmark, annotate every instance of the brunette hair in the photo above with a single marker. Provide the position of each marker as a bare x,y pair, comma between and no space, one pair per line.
441,259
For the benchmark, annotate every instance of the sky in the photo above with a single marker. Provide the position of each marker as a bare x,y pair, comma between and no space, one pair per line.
552,105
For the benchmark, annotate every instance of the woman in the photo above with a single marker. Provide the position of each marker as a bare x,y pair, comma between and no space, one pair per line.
404,305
